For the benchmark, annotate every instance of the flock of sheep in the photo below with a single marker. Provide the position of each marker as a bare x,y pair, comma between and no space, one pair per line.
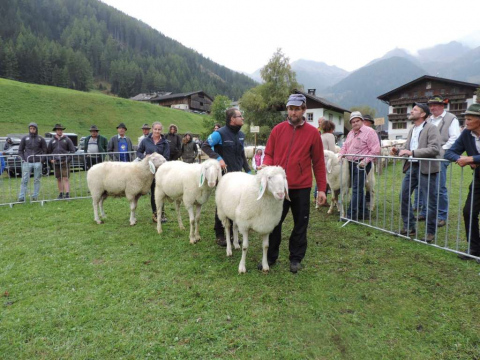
252,202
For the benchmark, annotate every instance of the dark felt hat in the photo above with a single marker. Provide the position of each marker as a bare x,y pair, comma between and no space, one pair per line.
94,128
58,126
473,109
368,118
122,125
146,127
437,99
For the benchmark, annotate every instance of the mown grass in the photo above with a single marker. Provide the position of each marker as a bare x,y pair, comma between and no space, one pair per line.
22,103
72,289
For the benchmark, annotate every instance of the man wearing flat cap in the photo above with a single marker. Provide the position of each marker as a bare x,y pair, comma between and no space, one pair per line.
361,140
423,141
469,142
449,129
296,146
120,145
59,147
93,145
146,131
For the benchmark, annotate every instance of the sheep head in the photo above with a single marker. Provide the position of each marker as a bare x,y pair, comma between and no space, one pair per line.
273,179
331,160
154,160
211,171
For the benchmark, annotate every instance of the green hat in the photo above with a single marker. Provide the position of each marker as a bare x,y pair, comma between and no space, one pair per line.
437,99
473,109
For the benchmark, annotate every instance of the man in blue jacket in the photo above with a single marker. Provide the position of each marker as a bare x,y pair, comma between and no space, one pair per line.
469,141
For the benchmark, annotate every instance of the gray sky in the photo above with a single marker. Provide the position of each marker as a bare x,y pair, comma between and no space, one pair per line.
243,35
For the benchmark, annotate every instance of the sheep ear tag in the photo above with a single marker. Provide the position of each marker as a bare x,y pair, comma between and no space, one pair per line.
152,167
263,187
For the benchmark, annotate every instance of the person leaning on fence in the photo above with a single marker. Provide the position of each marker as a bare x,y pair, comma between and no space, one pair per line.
258,158
146,131
449,129
227,146
31,145
60,146
297,147
423,141
469,142
8,144
361,140
154,142
120,145
92,145
189,149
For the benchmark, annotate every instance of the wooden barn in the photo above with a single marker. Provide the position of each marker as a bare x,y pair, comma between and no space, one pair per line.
195,101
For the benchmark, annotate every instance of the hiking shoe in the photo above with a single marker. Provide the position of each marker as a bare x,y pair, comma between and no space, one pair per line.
429,238
21,199
34,198
270,264
221,241
421,218
66,196
441,223
294,267
406,232
60,196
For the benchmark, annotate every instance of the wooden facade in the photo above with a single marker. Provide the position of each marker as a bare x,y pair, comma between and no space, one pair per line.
197,101
401,99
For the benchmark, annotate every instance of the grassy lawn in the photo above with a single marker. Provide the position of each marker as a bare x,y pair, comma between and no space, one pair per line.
76,110
72,289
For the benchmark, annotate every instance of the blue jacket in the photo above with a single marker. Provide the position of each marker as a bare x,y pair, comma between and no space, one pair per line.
464,143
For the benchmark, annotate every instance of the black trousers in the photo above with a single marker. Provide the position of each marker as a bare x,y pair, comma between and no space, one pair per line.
300,205
473,209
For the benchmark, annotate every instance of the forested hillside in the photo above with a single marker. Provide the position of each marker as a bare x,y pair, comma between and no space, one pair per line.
72,43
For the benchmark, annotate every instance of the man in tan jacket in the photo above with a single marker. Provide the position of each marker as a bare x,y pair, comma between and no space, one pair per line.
423,141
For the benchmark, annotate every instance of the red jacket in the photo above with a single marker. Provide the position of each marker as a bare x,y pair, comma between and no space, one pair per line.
297,150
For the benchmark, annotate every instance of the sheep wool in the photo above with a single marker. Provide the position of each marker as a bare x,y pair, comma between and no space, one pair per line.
122,179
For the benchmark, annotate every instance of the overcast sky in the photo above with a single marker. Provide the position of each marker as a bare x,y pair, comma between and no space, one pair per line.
243,35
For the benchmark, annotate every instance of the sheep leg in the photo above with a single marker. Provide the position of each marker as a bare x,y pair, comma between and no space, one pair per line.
191,216
226,225
197,223
179,216
241,267
95,211
100,203
334,201
235,236
265,267
133,207
159,196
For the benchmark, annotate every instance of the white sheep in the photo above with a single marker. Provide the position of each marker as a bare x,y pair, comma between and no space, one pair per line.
122,179
338,178
337,149
252,202
249,152
192,183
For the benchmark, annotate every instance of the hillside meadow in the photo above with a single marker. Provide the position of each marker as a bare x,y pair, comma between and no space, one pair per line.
22,103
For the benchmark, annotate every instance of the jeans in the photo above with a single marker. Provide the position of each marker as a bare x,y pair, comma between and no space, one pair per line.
37,174
442,193
358,206
426,183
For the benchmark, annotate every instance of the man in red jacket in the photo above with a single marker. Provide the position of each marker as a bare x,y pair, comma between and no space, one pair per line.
297,147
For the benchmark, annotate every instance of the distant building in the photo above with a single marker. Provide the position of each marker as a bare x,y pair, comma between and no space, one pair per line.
318,107
148,97
195,101
401,100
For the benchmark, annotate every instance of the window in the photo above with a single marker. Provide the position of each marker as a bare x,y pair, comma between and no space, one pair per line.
330,117
309,117
400,110
404,96
415,94
428,93
442,91
429,85
455,91
399,125
458,106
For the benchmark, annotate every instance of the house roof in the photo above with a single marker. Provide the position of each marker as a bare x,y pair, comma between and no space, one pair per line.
325,103
179,95
387,95
148,97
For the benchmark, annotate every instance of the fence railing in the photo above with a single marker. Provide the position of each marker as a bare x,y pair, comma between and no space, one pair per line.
43,177
406,199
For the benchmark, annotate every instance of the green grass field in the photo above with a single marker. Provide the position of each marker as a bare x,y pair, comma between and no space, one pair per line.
70,288
23,103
